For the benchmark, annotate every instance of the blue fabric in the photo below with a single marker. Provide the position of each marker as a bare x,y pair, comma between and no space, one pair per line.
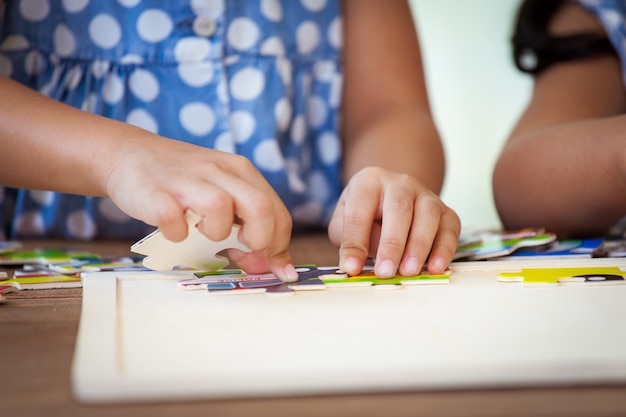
258,78
612,15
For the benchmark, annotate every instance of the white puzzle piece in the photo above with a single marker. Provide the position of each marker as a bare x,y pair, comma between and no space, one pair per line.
196,251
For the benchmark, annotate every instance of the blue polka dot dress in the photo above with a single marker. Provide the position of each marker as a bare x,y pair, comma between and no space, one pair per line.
260,78
612,15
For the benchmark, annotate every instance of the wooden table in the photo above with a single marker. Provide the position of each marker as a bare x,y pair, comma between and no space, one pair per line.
38,331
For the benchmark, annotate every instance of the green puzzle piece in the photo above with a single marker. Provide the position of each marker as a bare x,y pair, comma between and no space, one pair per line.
367,278
42,281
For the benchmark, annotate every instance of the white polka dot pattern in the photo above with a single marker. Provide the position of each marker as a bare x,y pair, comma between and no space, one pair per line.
154,25
74,6
105,31
259,78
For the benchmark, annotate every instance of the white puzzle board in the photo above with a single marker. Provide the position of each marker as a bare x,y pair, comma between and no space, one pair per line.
143,339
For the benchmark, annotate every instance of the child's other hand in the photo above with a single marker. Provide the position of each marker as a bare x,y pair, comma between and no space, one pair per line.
397,220
159,181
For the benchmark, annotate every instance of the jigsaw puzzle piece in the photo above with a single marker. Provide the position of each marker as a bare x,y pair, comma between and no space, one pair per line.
201,279
249,284
236,282
196,251
581,248
367,278
78,265
5,287
498,245
44,256
9,246
310,278
615,248
543,277
41,278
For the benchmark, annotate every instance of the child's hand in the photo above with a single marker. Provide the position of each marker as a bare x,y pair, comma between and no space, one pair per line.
395,219
158,182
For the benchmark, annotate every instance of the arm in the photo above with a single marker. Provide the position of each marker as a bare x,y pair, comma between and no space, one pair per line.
393,157
564,165
48,145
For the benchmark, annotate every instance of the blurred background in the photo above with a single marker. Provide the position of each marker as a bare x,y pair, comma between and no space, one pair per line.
475,91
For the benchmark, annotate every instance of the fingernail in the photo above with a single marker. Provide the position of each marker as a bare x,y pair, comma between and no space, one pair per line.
386,269
289,274
350,266
436,265
410,267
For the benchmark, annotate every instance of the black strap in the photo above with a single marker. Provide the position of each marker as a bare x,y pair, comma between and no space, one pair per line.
535,49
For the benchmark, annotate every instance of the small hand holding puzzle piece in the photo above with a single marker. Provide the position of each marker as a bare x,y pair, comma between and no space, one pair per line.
196,251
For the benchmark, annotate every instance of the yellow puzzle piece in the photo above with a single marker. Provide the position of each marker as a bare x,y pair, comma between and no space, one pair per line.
556,276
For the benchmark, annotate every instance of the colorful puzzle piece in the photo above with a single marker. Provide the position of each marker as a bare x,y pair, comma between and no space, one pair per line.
367,278
76,266
475,236
495,245
9,246
5,288
556,276
41,278
560,249
196,251
44,256
614,248
234,282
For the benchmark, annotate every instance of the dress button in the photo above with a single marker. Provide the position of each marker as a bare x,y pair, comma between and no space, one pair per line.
204,26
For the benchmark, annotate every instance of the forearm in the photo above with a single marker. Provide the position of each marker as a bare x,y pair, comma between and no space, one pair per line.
569,178
51,146
402,139
386,116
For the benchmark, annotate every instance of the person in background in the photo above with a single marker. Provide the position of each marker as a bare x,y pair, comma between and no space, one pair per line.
273,115
564,165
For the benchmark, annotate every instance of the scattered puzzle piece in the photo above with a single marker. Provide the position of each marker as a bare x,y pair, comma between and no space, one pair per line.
556,276
41,278
493,246
4,287
9,246
310,277
78,265
583,248
196,251
44,256
614,248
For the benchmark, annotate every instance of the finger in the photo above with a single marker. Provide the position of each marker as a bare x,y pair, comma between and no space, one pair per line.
445,243
276,258
277,254
398,205
335,226
359,212
165,212
426,223
251,204
263,215
214,205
